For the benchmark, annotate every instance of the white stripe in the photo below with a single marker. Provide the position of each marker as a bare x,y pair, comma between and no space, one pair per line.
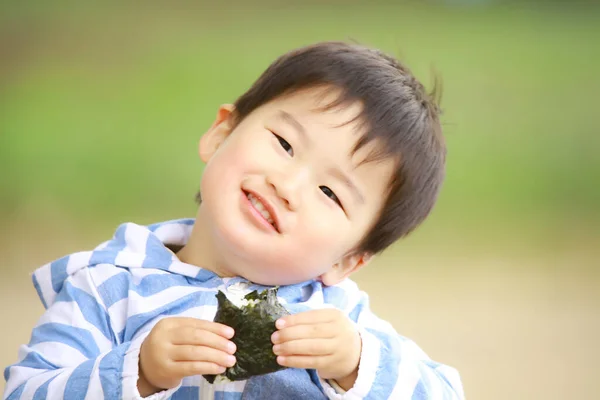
18,375
59,353
136,238
192,381
118,314
103,272
408,378
102,245
433,383
369,364
129,259
368,319
82,280
138,274
43,276
332,394
184,269
95,390
207,391
141,305
453,377
316,301
237,386
353,295
177,234
130,370
353,300
78,261
69,313
22,352
32,385
350,287
409,349
56,388
232,387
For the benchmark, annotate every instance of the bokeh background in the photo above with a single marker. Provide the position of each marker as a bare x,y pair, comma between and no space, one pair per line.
102,106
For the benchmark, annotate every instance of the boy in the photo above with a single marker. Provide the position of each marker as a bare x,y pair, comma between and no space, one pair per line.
332,155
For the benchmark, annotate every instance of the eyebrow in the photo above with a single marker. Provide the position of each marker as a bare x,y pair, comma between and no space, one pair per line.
291,120
349,183
336,172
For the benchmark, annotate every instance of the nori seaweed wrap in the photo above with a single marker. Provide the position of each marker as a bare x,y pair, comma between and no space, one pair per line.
254,323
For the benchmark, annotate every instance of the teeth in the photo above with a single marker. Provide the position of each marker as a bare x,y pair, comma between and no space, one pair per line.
261,208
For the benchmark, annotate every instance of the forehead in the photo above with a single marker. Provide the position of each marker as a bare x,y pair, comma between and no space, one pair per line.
318,106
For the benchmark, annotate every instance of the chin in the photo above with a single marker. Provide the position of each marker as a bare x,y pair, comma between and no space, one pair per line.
251,254
269,280
267,272
253,262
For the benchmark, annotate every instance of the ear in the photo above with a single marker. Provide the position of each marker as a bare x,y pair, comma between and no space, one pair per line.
346,266
218,132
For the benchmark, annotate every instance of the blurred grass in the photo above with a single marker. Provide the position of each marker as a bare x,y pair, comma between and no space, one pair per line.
102,106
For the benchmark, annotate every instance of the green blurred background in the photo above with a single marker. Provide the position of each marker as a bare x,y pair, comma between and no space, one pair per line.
102,106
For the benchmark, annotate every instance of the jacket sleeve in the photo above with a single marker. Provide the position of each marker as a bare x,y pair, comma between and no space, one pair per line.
393,367
74,353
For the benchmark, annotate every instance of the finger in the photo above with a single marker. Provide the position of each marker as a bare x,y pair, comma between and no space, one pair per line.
214,327
308,317
202,353
305,362
199,337
306,347
190,368
314,331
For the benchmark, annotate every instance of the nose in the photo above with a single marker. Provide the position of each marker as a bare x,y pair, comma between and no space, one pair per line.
288,186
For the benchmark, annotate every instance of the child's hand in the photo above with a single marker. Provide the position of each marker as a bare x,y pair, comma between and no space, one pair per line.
180,347
325,340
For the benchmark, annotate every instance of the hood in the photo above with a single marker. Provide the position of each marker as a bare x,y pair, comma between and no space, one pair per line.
132,246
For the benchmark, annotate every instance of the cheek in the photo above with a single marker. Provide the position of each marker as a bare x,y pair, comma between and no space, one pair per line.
211,185
306,253
326,239
223,170
330,236
242,155
296,266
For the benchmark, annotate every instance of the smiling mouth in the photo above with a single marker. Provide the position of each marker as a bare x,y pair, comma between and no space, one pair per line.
260,207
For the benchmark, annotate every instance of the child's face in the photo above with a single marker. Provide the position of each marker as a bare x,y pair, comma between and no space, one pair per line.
284,199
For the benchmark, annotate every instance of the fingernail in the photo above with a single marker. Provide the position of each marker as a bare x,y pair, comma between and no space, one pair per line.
229,332
275,337
231,361
276,349
231,347
281,360
280,323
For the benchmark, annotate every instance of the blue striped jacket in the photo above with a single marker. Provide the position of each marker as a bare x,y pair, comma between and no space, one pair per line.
101,304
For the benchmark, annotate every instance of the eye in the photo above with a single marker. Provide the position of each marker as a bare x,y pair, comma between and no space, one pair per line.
329,193
284,143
